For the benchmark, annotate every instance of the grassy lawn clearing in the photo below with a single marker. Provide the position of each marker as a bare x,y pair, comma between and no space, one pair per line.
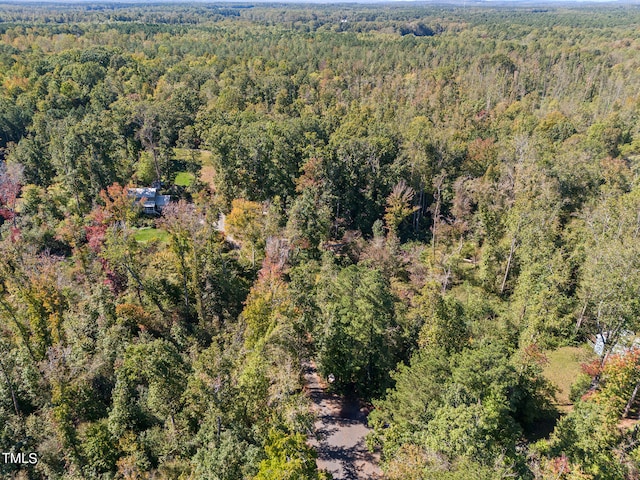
205,157
201,157
184,179
147,234
564,367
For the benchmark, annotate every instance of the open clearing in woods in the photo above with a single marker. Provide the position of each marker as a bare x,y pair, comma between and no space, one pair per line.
564,367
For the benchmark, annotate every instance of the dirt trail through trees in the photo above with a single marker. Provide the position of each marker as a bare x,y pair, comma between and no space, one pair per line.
340,431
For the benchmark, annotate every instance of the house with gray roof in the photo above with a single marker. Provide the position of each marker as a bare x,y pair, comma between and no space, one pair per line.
152,202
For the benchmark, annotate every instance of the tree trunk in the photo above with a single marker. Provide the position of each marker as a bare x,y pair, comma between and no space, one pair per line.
581,317
154,153
417,215
506,273
185,285
436,215
631,400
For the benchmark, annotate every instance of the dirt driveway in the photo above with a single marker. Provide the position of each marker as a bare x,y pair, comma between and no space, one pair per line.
340,430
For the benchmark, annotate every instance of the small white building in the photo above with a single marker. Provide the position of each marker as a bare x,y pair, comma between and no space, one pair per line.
627,341
152,202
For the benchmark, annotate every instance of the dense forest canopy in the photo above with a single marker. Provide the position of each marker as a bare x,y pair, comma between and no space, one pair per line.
438,206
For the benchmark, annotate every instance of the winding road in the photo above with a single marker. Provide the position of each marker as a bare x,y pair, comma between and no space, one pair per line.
340,431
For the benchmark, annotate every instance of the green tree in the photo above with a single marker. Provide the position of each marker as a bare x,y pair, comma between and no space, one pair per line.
610,276
588,438
246,223
443,322
310,214
148,388
360,341
398,207
288,457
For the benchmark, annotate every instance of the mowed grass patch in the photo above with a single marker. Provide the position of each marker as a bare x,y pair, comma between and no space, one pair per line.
184,179
147,234
564,367
205,157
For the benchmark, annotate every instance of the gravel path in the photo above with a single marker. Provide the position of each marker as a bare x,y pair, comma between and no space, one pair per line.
340,430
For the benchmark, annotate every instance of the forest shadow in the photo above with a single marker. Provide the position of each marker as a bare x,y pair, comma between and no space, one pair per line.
542,427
